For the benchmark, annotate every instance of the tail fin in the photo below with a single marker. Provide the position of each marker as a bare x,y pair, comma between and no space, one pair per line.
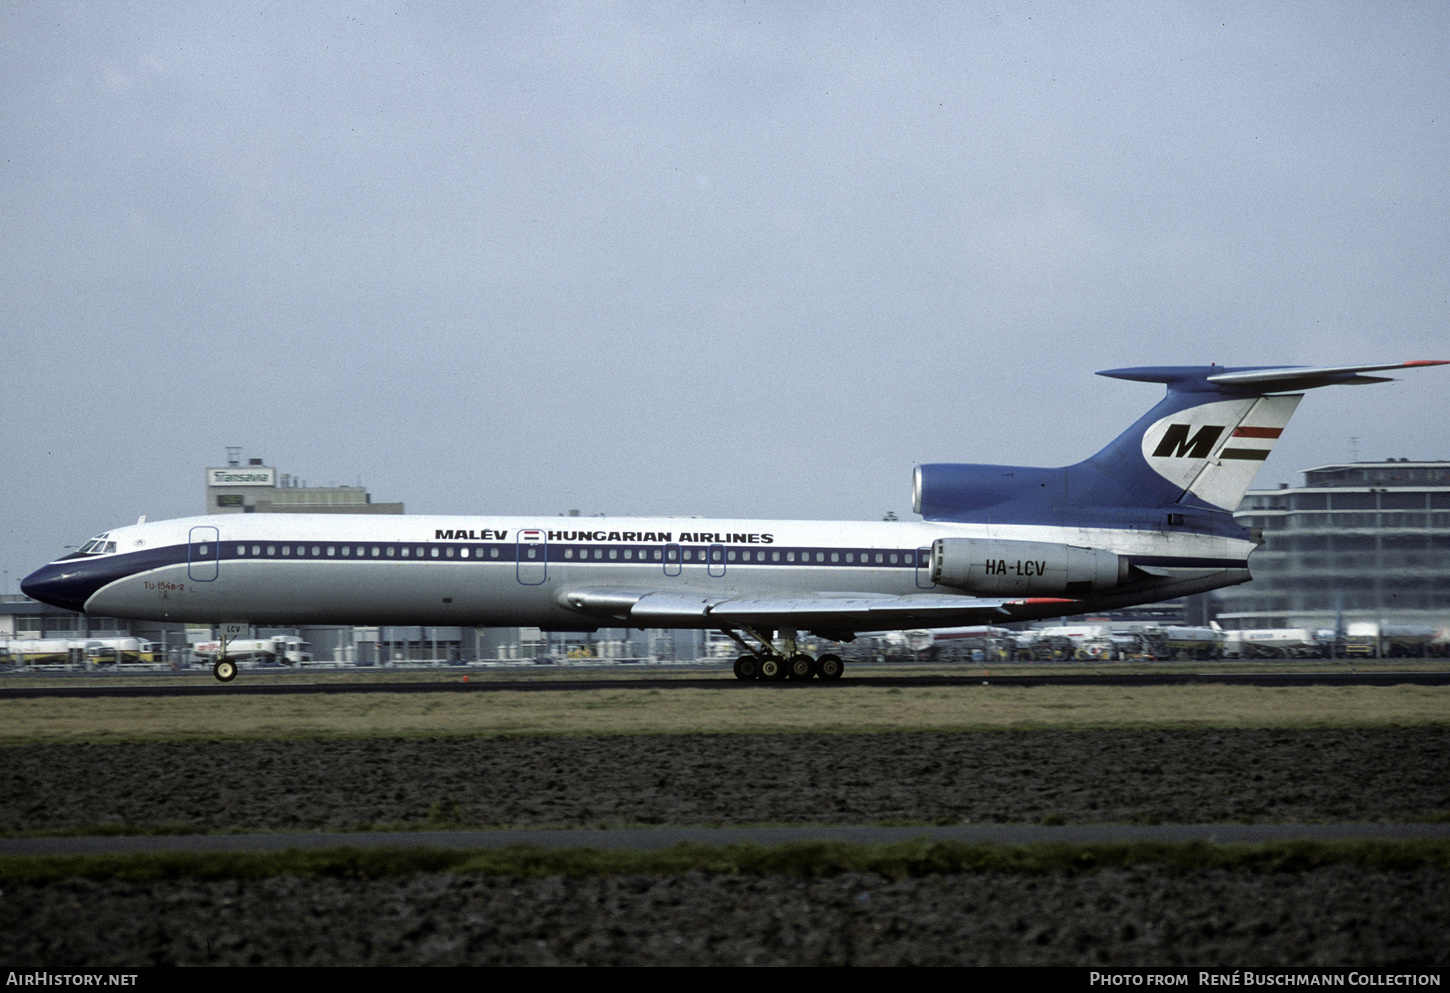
1198,449
1210,435
1214,451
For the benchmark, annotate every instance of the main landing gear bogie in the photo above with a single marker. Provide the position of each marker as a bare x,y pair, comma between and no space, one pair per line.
774,668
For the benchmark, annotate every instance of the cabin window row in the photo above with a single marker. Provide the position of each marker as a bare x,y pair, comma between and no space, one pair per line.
670,553
712,555
363,551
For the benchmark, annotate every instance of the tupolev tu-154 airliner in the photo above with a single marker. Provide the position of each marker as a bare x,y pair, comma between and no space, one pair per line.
1148,518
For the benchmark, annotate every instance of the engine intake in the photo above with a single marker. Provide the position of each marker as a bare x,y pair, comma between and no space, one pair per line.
1025,568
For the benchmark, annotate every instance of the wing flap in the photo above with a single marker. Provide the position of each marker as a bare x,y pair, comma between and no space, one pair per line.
861,611
673,606
640,603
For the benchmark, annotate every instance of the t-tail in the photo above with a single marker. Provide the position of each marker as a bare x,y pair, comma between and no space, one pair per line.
1185,463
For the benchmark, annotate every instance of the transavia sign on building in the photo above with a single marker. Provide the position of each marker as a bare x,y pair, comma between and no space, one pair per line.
253,476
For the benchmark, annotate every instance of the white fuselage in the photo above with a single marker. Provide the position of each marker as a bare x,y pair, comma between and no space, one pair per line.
508,571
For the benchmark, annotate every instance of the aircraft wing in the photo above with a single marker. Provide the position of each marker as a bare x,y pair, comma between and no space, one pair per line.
806,610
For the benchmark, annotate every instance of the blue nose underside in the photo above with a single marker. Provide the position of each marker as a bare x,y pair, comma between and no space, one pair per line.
68,584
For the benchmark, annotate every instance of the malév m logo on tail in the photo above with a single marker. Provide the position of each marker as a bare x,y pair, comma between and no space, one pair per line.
1177,444
1214,450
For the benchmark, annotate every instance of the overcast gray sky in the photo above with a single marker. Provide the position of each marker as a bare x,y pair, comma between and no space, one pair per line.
731,259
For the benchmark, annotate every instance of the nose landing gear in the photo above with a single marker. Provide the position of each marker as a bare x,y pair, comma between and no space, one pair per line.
224,669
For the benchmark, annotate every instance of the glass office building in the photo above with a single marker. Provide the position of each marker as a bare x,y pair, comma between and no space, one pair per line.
1365,541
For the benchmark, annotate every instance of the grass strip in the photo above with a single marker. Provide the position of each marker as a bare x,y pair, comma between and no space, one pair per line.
806,860
750,710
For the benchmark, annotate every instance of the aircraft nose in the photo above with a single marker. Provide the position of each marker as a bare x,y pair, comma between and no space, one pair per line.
57,585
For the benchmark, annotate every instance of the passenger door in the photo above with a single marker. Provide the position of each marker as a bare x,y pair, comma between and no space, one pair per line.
532,554
203,554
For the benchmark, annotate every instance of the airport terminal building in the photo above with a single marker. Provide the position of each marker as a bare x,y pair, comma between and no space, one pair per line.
1362,541
255,488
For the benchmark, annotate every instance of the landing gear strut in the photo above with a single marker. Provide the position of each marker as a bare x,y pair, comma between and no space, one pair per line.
225,670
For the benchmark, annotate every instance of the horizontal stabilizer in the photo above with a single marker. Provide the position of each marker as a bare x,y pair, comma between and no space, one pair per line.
1262,379
1299,378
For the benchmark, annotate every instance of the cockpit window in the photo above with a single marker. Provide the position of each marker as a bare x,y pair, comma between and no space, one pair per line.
98,545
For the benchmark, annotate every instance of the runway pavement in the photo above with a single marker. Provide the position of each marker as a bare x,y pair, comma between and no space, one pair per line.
654,838
185,685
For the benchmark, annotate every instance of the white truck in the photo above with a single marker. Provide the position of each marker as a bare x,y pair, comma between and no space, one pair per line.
285,649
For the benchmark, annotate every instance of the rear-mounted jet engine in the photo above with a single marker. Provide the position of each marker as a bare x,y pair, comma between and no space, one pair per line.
1025,568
